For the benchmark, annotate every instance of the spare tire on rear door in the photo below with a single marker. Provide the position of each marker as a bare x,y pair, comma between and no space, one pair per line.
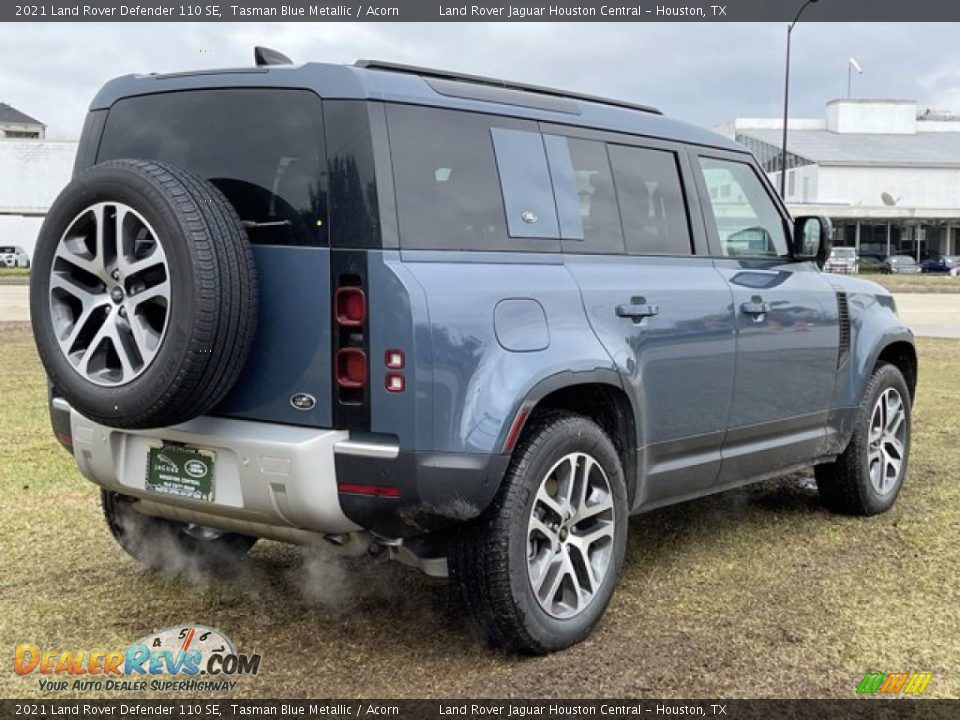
143,294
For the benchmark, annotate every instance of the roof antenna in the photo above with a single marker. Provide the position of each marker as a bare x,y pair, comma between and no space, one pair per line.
263,56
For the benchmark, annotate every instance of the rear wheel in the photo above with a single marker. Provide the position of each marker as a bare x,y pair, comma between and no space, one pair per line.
166,545
866,479
539,567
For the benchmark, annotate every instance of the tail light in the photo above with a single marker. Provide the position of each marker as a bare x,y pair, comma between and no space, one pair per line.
394,359
350,349
351,368
395,382
351,306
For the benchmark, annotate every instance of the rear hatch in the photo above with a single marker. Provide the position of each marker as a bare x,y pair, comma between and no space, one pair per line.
264,149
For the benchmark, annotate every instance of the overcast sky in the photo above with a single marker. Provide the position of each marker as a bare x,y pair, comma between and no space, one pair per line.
704,73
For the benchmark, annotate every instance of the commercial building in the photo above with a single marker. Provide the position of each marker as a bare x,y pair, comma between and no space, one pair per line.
886,172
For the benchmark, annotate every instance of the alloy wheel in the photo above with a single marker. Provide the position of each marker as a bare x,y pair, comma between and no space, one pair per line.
110,294
570,535
886,443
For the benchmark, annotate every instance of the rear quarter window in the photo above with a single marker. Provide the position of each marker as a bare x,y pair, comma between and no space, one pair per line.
263,148
448,185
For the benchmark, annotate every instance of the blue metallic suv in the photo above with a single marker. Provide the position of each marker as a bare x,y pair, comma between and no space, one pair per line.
469,323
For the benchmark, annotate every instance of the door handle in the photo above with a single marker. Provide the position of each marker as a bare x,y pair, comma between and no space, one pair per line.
755,307
638,308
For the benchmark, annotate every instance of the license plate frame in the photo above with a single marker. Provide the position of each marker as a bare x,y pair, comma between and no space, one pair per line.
180,471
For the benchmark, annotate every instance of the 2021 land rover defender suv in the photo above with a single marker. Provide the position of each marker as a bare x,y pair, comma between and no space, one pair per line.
478,324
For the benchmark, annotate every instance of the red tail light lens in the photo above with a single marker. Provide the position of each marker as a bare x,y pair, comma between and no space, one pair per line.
350,306
351,368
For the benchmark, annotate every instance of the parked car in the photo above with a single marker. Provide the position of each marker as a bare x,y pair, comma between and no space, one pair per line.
13,256
940,263
869,264
900,264
471,324
842,260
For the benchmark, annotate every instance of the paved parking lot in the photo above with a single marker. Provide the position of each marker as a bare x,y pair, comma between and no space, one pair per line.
931,314
14,305
928,314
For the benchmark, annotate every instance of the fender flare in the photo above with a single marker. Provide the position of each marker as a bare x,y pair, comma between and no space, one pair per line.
571,379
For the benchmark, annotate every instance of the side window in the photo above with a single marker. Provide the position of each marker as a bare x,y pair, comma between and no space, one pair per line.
586,195
354,207
652,204
525,180
748,223
448,185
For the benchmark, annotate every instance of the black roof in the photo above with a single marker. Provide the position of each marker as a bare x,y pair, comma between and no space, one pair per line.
10,114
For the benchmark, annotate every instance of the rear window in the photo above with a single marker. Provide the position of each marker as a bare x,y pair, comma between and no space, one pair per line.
263,148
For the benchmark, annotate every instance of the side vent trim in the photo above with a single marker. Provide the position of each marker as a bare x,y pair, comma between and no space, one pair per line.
843,322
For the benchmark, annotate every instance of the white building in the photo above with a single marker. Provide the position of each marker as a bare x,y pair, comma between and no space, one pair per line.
15,124
32,174
886,173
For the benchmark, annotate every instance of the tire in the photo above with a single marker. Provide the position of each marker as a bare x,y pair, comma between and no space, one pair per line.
489,557
175,290
169,546
859,482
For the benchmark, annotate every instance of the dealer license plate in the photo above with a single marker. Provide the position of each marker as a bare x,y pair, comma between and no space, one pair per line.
180,471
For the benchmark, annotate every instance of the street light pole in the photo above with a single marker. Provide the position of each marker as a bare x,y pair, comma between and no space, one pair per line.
786,101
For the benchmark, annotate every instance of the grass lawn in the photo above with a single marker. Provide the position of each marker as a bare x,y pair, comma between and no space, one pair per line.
756,592
923,283
14,276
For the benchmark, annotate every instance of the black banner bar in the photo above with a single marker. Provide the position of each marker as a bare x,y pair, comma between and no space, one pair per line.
485,11
195,709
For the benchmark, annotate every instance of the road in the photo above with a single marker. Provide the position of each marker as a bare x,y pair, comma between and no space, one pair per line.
928,314
14,305
935,315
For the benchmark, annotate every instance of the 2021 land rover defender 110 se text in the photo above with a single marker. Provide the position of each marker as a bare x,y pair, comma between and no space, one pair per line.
475,323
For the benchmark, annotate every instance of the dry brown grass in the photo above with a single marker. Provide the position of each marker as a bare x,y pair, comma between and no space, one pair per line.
757,592
923,283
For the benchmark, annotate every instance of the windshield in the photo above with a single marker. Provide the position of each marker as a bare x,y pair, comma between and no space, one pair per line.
844,253
8,249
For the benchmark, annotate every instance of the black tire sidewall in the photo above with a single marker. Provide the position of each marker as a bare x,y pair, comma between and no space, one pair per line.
885,377
548,632
121,185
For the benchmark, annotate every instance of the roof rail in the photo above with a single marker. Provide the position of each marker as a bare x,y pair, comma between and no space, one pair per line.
494,82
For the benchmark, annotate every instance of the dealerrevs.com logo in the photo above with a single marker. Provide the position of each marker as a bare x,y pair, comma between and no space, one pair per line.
183,658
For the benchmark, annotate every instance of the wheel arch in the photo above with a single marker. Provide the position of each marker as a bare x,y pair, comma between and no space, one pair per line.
903,355
598,395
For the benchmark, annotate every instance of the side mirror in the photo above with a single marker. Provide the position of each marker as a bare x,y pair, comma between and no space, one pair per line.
812,239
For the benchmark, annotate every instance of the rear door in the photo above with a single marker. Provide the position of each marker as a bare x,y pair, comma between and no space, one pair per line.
786,317
264,148
660,309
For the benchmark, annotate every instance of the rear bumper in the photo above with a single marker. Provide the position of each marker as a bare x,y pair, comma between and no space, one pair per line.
287,482
276,476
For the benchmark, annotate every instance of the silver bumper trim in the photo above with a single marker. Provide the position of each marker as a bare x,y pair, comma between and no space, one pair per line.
367,449
266,474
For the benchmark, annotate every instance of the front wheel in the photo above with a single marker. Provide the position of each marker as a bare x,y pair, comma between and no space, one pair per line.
538,568
868,475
